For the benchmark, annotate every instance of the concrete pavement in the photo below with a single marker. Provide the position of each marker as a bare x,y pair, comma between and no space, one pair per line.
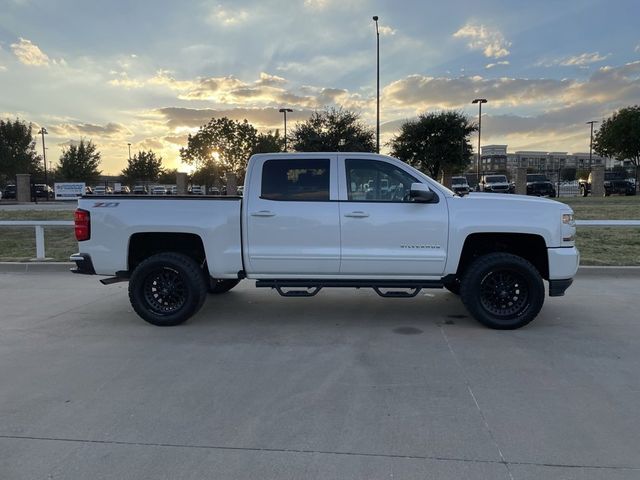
342,385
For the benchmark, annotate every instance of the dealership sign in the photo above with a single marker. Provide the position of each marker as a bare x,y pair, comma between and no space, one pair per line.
69,191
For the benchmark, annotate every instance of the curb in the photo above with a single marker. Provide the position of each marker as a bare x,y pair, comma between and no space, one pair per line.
602,271
35,267
52,267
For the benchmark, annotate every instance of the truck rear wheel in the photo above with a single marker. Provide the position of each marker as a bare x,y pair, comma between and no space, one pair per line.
167,289
217,286
502,291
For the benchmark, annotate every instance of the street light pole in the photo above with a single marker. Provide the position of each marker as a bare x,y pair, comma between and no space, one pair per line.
129,151
591,141
284,111
43,132
479,101
375,19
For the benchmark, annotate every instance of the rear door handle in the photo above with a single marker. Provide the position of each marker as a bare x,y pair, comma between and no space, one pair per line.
357,214
263,213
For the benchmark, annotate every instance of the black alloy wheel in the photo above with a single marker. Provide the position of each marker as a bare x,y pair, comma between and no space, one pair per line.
165,291
503,292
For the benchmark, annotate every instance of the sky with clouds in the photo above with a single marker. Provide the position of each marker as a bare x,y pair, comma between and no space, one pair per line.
149,73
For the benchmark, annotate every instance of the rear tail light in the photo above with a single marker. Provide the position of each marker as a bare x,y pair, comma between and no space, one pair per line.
82,220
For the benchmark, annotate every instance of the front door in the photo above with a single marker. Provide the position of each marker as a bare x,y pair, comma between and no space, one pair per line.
384,233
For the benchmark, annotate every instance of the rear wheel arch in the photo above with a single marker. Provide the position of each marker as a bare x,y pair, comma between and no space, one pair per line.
146,244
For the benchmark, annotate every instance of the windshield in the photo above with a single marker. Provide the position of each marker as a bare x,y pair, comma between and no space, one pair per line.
496,179
537,178
458,181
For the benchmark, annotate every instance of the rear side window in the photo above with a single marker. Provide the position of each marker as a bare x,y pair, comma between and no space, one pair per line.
296,180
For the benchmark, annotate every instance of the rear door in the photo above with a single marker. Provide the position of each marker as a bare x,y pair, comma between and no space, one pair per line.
383,232
293,226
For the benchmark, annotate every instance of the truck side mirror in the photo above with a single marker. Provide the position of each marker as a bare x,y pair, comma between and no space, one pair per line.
420,193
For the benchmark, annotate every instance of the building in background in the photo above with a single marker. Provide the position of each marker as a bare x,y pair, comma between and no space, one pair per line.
495,159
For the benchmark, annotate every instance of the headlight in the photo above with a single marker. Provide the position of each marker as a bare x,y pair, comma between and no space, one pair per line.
567,219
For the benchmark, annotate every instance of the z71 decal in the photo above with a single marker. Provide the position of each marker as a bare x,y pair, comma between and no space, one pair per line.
106,204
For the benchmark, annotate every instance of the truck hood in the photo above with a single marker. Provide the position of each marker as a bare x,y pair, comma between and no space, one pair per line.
510,202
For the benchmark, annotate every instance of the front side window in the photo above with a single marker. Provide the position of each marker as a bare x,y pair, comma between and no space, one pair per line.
296,180
375,181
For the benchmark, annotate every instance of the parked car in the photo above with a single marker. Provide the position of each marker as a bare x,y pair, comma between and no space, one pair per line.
460,185
158,190
140,190
9,192
43,191
495,184
614,183
88,190
540,185
196,190
214,191
102,190
124,190
241,190
303,226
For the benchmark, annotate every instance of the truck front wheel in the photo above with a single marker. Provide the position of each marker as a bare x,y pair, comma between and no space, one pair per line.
502,291
167,289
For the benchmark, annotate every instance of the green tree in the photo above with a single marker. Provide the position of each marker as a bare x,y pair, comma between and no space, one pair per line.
619,136
143,167
226,142
435,142
269,142
332,130
79,163
17,150
209,173
168,177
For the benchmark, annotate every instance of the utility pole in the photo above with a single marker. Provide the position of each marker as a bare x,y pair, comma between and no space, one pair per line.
129,151
284,111
375,19
43,132
479,101
591,141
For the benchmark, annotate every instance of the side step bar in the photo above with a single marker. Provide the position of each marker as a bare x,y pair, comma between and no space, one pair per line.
310,288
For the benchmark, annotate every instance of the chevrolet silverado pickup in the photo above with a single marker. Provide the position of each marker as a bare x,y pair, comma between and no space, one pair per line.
313,220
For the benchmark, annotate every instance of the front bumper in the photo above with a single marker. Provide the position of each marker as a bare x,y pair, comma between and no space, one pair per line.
83,262
563,266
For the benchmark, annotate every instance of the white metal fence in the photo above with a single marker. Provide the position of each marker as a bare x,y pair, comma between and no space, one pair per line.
39,229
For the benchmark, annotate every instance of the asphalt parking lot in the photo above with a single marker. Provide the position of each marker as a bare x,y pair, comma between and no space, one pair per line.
342,385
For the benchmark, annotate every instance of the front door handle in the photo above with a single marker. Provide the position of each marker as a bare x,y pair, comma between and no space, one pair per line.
263,213
357,214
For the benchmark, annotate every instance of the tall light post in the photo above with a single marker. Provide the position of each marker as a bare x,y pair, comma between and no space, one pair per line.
479,101
129,151
375,19
43,132
591,141
284,111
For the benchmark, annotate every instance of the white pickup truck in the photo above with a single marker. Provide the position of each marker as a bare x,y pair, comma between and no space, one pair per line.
314,220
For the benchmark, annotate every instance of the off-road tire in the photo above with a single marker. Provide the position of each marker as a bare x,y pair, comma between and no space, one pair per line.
167,289
502,291
218,286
